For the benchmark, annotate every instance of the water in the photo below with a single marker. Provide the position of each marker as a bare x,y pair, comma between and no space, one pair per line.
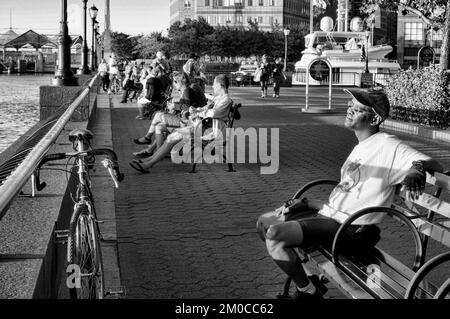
19,105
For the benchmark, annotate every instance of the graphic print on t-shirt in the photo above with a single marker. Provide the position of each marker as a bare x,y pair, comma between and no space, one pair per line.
350,177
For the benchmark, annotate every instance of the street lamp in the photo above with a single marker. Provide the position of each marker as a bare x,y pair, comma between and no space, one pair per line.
367,52
93,11
286,33
97,34
84,69
63,75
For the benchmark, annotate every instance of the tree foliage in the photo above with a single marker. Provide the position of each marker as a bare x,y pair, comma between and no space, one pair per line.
123,45
197,36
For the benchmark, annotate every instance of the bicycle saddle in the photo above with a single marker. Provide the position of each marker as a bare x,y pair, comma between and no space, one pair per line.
80,134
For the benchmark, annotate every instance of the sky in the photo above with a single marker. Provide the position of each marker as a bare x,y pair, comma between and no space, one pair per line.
43,16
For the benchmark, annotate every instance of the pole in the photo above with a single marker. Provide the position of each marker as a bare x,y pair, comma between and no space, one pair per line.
311,16
85,51
346,16
285,52
92,46
63,75
330,93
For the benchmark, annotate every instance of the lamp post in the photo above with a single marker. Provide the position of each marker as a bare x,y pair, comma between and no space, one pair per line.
84,69
97,27
286,33
366,70
63,75
93,11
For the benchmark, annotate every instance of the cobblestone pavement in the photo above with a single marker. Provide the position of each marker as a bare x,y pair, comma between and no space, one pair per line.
184,235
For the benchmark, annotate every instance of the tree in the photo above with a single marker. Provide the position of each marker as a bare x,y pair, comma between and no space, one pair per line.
148,45
435,13
123,45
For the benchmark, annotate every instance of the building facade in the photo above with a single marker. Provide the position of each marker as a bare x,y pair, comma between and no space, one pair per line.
235,13
412,34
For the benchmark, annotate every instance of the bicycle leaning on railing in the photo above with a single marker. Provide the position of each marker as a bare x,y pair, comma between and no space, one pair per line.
84,258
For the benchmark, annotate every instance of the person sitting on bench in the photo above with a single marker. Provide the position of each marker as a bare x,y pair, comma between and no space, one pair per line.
191,95
368,178
217,109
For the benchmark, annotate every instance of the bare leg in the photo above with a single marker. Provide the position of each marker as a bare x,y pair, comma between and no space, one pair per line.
280,239
159,155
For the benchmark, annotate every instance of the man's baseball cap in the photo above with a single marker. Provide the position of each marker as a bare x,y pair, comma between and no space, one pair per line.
376,99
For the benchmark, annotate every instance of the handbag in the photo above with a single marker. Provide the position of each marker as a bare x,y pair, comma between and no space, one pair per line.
257,76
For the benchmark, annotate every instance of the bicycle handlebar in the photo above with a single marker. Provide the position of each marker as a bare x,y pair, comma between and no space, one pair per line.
111,164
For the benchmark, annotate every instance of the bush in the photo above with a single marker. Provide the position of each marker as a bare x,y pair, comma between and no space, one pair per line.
420,96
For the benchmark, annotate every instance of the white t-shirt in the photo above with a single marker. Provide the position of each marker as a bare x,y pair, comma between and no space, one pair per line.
369,176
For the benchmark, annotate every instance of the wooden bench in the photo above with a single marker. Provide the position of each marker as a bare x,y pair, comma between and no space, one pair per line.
373,273
206,126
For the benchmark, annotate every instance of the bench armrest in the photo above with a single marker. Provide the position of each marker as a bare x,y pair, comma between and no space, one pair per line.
337,242
424,271
312,184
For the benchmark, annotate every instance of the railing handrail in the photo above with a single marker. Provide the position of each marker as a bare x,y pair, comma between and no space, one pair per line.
19,177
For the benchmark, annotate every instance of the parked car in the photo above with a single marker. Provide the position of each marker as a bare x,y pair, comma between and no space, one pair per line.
245,74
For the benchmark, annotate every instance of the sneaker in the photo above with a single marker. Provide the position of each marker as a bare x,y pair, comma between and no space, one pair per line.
142,154
262,95
298,295
274,95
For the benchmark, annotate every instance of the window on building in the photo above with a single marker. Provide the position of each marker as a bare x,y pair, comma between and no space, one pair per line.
261,3
220,19
260,20
270,20
220,3
187,3
213,20
414,31
272,2
207,3
239,19
228,20
208,19
250,3
238,3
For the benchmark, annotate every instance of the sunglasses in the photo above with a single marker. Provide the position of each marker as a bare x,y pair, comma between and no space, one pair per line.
360,108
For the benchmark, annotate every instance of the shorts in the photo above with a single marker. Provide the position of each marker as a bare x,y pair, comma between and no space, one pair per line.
321,230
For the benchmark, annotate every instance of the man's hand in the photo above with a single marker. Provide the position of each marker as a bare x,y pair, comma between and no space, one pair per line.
292,205
414,183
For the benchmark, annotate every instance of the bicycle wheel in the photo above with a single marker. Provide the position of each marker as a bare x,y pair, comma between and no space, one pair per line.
83,250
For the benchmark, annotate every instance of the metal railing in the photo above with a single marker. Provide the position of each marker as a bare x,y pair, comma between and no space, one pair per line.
343,78
20,167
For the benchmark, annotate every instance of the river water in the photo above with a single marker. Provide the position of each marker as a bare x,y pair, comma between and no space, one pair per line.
19,105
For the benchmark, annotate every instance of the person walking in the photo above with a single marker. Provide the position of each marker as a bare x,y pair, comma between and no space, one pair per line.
277,76
104,75
265,70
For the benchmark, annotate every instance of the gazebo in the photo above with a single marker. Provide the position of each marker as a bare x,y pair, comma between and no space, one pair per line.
31,38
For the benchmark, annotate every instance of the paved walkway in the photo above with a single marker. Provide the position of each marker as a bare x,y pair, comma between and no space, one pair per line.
184,235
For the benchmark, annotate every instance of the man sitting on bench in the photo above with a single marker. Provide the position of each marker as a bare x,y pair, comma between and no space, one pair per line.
368,178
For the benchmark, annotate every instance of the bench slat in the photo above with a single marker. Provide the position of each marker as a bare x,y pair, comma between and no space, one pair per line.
429,202
433,230
395,274
439,180
345,284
